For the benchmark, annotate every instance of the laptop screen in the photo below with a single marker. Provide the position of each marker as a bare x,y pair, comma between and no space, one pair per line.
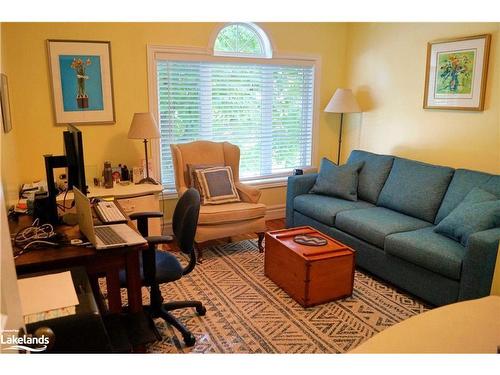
84,214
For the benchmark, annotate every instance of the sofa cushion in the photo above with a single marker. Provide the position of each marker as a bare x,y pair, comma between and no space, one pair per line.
428,249
478,211
337,181
323,208
230,212
374,224
415,188
461,184
373,174
492,185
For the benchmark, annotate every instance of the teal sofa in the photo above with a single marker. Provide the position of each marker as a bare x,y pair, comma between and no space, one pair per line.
400,201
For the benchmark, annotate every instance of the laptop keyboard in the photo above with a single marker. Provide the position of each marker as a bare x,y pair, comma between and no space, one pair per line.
108,236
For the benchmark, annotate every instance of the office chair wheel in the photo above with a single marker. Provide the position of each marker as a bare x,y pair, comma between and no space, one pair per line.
189,339
201,311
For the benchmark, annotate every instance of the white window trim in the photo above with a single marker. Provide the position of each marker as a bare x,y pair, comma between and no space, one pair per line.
264,39
155,52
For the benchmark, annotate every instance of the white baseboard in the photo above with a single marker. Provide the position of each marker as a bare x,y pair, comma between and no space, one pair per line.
276,211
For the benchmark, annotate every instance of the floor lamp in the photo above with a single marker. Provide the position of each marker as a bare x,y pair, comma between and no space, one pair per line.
144,127
343,101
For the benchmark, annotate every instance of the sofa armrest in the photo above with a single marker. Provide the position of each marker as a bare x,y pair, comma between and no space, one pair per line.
248,193
297,185
479,264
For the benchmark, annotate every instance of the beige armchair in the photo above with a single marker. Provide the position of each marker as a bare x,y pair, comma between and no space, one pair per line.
222,220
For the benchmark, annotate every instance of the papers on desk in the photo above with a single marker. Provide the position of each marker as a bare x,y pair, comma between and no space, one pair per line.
47,297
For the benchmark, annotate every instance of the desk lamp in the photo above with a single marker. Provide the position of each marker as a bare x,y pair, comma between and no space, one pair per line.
144,127
343,101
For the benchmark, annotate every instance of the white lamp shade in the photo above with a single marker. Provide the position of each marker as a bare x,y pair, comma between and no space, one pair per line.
143,127
343,101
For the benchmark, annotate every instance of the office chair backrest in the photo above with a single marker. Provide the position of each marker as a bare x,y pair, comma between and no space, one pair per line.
185,220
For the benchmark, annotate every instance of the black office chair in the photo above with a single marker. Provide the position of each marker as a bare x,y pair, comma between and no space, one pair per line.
160,267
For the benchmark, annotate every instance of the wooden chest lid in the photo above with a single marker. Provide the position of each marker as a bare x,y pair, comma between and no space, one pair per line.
333,247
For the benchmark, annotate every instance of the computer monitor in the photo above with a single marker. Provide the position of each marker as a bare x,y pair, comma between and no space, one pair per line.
73,161
73,149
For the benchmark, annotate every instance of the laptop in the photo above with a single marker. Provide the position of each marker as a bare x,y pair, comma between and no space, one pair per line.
103,236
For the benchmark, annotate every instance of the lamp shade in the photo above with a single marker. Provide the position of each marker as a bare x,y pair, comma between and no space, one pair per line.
343,101
143,127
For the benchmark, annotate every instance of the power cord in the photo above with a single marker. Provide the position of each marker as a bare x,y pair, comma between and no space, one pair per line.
34,235
63,206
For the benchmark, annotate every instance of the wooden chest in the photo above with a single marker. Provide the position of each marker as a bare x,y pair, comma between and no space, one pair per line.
311,275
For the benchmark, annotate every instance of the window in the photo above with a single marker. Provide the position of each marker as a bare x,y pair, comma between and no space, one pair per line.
242,39
265,106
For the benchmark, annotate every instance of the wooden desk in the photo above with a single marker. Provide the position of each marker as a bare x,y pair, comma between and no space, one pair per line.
98,263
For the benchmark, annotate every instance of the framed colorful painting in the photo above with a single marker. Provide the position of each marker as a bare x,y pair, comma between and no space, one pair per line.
456,73
82,84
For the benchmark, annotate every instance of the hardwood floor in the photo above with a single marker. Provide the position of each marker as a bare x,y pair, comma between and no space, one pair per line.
270,225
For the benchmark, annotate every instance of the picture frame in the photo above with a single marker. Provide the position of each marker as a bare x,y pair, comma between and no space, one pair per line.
5,103
456,73
82,82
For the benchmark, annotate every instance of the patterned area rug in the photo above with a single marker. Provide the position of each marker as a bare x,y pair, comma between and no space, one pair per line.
248,313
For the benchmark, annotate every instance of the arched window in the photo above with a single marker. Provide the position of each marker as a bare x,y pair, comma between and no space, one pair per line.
242,40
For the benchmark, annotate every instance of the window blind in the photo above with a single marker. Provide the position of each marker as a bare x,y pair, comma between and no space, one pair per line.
266,110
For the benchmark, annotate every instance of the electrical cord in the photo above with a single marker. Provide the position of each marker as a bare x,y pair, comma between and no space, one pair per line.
33,232
34,235
63,206
36,242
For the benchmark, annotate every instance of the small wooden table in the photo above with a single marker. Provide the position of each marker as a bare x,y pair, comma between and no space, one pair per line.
311,275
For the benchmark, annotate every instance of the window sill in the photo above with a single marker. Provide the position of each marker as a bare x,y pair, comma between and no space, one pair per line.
262,184
267,183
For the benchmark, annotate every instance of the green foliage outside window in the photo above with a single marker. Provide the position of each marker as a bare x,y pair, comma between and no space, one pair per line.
238,38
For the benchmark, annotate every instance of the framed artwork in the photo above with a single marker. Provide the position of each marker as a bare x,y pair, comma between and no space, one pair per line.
456,73
5,103
82,85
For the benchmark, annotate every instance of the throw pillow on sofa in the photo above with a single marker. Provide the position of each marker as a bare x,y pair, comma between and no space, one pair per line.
337,181
217,185
480,210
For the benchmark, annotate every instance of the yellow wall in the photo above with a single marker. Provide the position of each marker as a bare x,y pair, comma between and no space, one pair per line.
8,145
27,66
386,69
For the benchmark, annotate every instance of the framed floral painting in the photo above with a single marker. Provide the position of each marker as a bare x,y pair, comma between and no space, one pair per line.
456,73
82,85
